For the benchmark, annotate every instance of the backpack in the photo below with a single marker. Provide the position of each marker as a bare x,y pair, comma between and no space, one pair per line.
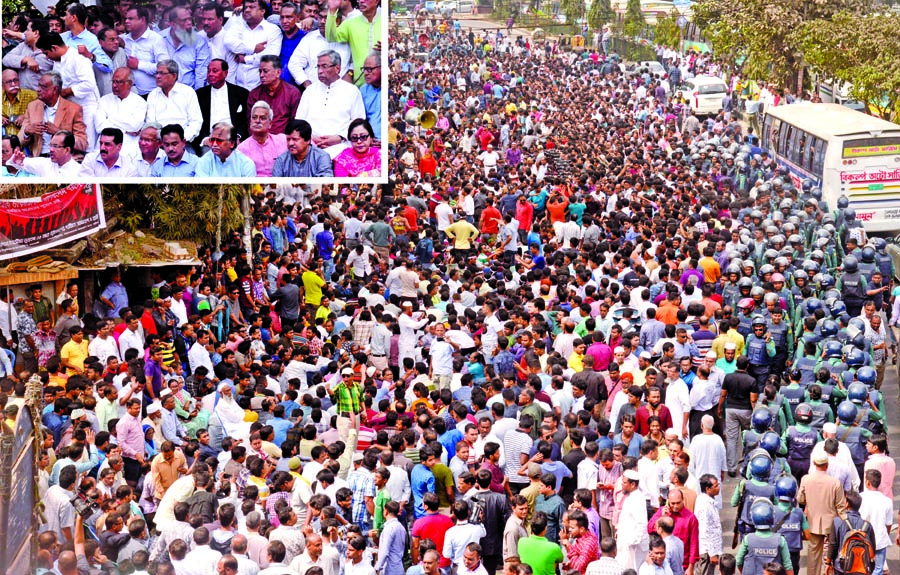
857,555
476,514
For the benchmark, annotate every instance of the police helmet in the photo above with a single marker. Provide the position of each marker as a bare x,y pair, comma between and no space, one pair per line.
866,375
761,465
829,328
804,413
851,264
761,420
847,412
868,254
786,488
856,358
832,349
762,514
858,393
843,202
770,442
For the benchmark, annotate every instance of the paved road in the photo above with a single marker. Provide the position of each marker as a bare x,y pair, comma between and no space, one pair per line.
891,390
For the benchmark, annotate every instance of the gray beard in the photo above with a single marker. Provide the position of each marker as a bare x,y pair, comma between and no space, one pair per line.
186,37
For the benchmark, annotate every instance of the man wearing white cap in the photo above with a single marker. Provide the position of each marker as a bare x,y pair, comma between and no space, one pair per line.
728,362
632,540
840,465
154,418
408,327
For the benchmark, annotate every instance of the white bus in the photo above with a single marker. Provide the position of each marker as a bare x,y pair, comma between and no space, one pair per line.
844,152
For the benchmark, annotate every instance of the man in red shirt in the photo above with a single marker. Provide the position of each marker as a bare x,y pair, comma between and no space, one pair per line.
433,526
655,407
490,221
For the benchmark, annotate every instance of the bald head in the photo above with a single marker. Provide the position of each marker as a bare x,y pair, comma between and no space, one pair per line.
68,563
239,544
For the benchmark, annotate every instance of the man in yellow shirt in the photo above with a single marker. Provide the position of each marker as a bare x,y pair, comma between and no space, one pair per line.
73,354
462,233
711,269
312,284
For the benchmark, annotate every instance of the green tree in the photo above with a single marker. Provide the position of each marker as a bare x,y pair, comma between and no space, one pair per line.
862,50
765,37
600,13
667,32
634,18
573,9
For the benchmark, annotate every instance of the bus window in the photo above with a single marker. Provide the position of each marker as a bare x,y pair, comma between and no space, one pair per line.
819,162
767,126
794,145
784,139
810,153
801,149
774,130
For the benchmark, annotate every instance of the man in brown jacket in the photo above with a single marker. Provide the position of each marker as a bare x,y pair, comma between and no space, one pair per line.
822,496
49,114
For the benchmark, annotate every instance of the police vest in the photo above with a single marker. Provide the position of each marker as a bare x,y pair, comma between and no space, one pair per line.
827,391
756,351
820,413
885,265
797,296
867,269
792,527
730,295
751,440
775,408
800,444
752,493
852,437
852,290
746,326
794,397
761,550
779,334
807,367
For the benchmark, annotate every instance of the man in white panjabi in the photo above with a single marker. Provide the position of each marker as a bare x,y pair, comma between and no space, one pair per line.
631,536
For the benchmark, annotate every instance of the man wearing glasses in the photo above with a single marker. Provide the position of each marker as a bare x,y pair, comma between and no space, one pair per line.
760,351
173,102
144,49
371,91
329,105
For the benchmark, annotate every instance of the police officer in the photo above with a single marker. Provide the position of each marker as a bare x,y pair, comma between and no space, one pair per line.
794,393
852,435
821,410
760,351
749,491
832,360
869,416
760,422
805,363
763,546
799,439
783,339
852,285
868,265
790,521
746,305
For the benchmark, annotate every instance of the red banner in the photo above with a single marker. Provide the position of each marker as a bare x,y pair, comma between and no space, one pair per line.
35,224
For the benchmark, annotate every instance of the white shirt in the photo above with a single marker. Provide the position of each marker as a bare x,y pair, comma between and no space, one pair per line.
6,318
197,356
360,263
58,511
302,64
408,327
219,51
43,167
491,438
49,116
77,73
838,465
149,49
444,214
678,400
127,115
132,339
241,39
709,455
649,484
179,107
329,561
707,513
442,363
218,105
878,510
330,109
103,348
587,474
632,535
199,561
94,166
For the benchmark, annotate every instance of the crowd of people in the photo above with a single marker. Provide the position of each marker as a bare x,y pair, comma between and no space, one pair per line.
573,315
182,89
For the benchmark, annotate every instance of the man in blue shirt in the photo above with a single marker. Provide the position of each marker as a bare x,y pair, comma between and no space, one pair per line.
371,92
177,163
222,160
325,247
421,480
76,35
188,48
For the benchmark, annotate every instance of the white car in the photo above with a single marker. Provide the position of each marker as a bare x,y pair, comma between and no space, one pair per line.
655,67
705,94
451,7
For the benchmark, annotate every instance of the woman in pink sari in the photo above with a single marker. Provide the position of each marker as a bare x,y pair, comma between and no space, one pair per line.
361,159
